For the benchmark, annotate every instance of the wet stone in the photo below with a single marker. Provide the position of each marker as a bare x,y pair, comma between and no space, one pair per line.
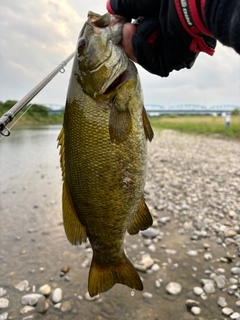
4,303
45,290
227,311
235,315
198,291
220,281
173,288
235,271
147,295
222,302
196,311
42,305
209,287
31,299
56,295
164,220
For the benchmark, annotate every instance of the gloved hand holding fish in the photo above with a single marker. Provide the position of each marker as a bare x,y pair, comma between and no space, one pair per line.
104,153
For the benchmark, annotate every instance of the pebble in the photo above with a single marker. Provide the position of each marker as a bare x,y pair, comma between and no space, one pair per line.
164,220
22,286
220,281
235,271
173,288
4,316
192,253
150,233
198,291
222,302
66,306
235,315
157,284
209,287
208,256
87,297
56,295
45,290
227,311
155,267
147,295
191,303
27,309
170,251
65,269
196,311
31,299
4,303
2,292
146,261
42,305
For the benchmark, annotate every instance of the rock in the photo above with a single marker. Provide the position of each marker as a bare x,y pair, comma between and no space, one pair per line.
155,267
208,256
238,303
150,233
235,315
22,286
45,290
42,305
58,305
157,284
164,220
170,251
147,295
4,316
56,295
192,253
191,303
27,309
230,233
196,311
4,303
65,269
235,270
152,247
173,288
209,287
222,302
31,299
206,246
220,281
66,306
146,261
227,311
2,292
198,291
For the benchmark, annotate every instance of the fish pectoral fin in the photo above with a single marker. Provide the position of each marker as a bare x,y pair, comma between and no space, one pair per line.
147,126
75,231
103,278
142,220
120,124
61,152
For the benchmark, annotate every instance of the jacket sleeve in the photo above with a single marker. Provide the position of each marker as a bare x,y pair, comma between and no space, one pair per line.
222,18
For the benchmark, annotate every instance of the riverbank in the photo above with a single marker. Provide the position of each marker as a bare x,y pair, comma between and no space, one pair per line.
188,260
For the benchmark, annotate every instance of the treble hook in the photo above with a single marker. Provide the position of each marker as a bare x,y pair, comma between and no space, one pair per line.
6,133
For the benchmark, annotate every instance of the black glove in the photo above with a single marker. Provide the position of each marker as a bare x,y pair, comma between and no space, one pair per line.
166,38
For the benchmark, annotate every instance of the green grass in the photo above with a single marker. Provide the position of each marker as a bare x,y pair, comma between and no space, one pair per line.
207,125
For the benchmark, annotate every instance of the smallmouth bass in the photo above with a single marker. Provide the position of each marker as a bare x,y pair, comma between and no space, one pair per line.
103,153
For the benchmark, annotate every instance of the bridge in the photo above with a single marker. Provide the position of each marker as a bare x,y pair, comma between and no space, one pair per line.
190,109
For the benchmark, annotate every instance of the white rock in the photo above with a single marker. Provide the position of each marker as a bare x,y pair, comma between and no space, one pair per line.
196,311
4,316
198,291
147,295
192,253
26,309
209,287
170,251
45,290
227,311
222,302
208,256
2,292
235,270
235,315
22,286
173,288
157,284
87,297
31,299
4,303
155,267
146,261
56,295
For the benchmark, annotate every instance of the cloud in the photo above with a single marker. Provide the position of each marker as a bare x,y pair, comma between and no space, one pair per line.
36,36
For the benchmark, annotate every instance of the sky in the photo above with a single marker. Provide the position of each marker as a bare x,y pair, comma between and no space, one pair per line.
36,36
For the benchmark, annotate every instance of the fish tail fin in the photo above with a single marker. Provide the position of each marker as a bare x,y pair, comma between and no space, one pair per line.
103,278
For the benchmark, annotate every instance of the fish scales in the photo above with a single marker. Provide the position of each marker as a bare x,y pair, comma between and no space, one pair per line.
104,160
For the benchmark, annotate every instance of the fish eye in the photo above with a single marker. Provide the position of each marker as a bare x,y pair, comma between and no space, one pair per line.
82,43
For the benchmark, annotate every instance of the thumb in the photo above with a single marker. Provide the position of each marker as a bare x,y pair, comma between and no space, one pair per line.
126,42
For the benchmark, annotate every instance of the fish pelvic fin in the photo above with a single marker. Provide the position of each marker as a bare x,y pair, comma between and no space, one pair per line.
61,152
120,123
142,220
75,231
147,126
103,278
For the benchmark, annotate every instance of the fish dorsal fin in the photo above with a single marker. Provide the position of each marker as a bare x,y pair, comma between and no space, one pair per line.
61,152
120,123
142,219
75,231
147,126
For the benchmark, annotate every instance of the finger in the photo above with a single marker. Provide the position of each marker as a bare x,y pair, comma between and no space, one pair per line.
134,8
128,31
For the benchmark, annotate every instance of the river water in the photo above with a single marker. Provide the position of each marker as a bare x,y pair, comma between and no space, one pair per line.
33,245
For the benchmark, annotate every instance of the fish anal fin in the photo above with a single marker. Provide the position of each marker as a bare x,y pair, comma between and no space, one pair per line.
61,152
103,278
147,126
75,231
142,220
120,124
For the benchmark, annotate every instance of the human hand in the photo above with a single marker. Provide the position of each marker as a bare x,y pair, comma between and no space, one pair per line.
161,41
